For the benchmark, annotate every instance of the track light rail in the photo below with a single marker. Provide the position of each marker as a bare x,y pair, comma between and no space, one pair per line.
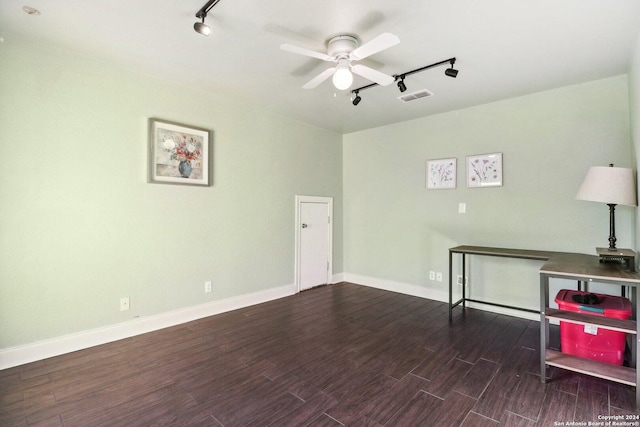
437,64
202,13
451,61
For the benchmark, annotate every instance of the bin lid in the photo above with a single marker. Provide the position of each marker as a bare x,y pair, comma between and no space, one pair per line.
609,303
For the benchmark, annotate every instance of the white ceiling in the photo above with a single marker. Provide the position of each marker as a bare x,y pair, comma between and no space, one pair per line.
504,48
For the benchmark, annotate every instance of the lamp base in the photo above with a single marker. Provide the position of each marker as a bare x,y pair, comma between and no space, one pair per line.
626,257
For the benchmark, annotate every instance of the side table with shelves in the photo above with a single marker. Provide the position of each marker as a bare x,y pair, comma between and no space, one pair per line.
588,268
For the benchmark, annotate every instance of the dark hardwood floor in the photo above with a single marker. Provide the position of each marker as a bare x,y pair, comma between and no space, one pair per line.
335,355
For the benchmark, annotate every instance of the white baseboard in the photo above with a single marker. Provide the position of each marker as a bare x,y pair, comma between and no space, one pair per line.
393,286
19,355
15,356
430,293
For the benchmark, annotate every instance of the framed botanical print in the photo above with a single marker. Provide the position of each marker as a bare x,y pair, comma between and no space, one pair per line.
441,174
484,170
178,154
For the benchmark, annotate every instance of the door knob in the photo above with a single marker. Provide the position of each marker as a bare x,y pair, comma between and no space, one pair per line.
304,225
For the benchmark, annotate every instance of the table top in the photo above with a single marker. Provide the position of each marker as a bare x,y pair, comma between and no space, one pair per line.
503,252
581,266
565,264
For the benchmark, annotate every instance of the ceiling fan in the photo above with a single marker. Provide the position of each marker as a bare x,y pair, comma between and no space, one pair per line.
344,50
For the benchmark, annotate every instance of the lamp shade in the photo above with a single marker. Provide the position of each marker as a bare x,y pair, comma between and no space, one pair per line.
608,184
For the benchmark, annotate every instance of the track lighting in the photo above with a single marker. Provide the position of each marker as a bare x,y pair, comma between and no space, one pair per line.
201,27
450,71
357,99
401,84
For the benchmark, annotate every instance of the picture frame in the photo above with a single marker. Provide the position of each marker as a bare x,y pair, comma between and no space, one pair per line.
484,170
178,154
441,174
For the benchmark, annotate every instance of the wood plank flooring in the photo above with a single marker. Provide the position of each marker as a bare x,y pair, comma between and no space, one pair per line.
331,356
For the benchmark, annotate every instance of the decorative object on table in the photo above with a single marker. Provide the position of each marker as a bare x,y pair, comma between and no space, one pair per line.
626,257
178,154
441,174
613,186
484,170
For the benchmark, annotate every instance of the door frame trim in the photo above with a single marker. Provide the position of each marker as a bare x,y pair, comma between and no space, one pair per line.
298,225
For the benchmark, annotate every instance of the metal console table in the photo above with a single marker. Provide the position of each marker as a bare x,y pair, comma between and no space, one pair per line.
488,251
584,269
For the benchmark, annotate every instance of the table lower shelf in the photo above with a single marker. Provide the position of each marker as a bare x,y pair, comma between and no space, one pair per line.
626,326
620,374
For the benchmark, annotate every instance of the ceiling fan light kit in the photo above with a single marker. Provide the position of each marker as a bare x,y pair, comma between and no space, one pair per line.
344,50
342,78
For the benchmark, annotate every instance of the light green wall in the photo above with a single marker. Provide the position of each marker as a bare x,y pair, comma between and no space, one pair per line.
397,230
79,225
634,107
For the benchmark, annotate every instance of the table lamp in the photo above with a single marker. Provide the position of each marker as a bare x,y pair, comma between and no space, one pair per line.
610,185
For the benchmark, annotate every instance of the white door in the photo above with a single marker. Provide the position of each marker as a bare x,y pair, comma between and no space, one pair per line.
314,240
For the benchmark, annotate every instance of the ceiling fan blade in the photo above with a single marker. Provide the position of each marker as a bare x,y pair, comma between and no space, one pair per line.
380,43
306,52
315,82
373,75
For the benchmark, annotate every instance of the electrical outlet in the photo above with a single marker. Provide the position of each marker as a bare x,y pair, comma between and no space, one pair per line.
432,275
207,286
124,304
439,276
459,280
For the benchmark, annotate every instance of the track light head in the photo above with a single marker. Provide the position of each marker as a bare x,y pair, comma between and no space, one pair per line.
401,84
357,99
202,28
450,71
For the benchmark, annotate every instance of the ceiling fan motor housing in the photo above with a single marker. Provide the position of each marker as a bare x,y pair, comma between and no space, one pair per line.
342,45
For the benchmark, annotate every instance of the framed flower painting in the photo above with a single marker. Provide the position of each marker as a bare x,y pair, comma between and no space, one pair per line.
441,174
178,154
484,170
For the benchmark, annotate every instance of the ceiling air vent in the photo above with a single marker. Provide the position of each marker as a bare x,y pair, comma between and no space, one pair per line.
415,95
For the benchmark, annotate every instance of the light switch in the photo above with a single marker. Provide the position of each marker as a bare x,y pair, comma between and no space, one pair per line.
462,207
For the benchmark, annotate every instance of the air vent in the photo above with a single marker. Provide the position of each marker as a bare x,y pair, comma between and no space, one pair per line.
415,95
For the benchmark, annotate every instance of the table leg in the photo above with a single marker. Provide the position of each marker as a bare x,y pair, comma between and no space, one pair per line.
635,298
464,284
450,286
544,325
